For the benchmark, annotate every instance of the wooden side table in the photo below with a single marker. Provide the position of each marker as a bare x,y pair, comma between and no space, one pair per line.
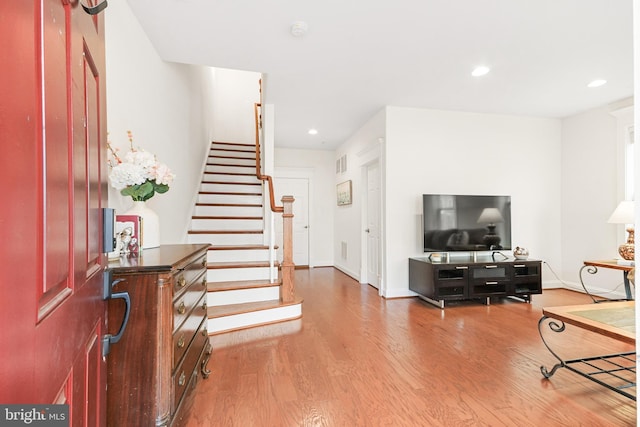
592,268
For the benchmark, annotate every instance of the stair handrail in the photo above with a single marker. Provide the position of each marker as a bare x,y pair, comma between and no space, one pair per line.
287,288
261,177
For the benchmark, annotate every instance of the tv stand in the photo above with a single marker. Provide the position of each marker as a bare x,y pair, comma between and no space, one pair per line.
475,278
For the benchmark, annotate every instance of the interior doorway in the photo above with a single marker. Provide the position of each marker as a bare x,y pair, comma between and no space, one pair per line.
298,187
372,225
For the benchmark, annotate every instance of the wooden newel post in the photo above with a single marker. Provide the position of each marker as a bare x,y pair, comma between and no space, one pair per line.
287,290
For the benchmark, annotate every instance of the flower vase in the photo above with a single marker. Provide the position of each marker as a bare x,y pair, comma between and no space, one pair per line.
150,235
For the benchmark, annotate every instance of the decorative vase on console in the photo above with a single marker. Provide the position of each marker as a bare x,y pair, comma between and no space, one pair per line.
140,175
150,224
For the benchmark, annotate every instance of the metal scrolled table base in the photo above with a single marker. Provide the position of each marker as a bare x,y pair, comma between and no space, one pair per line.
617,372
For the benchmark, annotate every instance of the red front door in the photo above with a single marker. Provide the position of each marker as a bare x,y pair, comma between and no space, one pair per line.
53,130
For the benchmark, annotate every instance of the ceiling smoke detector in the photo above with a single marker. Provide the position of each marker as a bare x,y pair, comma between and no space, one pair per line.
299,28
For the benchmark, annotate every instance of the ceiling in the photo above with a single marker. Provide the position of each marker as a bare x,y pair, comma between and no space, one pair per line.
358,56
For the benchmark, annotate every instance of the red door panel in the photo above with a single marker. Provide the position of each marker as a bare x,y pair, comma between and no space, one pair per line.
52,121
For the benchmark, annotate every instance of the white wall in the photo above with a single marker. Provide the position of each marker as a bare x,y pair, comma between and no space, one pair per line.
431,151
362,148
233,106
592,186
320,166
167,106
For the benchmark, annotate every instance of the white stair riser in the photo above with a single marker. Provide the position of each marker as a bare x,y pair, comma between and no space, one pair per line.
240,255
249,179
228,211
232,188
229,199
242,296
227,224
229,169
217,156
234,162
227,239
236,274
224,153
244,320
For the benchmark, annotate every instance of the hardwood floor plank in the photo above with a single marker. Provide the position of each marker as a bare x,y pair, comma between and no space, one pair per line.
356,359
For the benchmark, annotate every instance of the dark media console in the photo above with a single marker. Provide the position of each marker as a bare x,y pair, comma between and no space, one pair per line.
455,279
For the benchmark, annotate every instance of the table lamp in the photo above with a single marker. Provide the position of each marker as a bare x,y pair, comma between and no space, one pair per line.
491,216
624,214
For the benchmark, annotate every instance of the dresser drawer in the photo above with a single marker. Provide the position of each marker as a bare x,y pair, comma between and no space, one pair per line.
185,334
189,365
190,274
184,304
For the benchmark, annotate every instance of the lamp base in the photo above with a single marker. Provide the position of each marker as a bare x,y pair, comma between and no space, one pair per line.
491,239
627,250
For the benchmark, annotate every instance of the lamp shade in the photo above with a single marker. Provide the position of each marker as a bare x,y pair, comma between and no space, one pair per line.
490,216
624,213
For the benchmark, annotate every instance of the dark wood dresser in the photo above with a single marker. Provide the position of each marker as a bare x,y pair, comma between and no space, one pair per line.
165,347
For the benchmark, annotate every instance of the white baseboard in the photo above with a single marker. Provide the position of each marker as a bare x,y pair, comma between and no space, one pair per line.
322,263
597,291
398,293
348,272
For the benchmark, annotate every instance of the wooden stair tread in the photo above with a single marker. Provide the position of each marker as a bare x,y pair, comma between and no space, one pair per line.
218,156
240,284
237,247
250,205
240,144
226,217
233,165
232,309
227,193
231,183
225,231
239,264
231,173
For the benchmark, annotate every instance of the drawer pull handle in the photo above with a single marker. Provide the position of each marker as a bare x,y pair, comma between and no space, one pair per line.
182,379
181,342
490,266
519,266
182,308
204,262
203,367
204,304
181,282
491,283
462,267
204,282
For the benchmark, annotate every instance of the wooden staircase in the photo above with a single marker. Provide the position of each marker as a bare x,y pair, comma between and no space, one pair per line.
244,288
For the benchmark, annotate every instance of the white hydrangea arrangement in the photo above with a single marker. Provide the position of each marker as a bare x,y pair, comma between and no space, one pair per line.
140,175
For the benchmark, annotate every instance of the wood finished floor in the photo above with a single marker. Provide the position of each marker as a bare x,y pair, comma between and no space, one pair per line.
355,359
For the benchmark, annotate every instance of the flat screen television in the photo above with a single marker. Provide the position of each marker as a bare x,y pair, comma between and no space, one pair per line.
466,222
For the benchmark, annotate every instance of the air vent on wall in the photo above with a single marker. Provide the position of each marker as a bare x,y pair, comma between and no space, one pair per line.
341,164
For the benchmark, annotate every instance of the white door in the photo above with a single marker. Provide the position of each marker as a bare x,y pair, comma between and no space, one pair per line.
299,189
373,225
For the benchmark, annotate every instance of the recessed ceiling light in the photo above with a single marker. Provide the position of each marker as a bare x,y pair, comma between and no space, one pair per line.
480,71
313,131
299,28
597,83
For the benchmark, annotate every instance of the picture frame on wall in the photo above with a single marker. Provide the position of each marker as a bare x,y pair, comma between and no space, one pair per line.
344,193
